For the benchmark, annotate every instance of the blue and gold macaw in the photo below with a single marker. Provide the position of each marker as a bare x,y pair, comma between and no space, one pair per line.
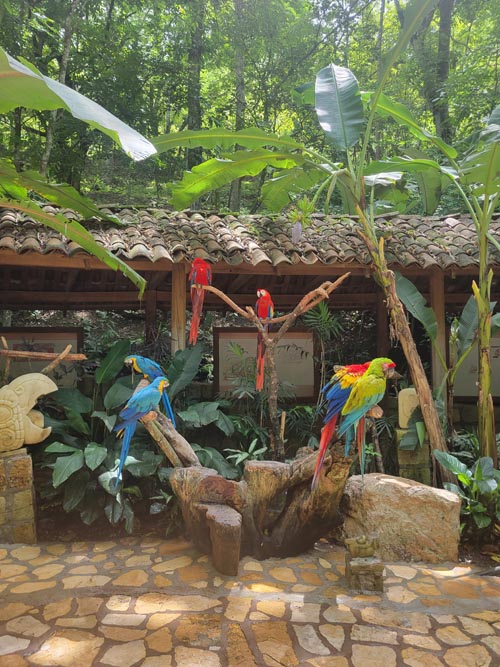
366,393
151,370
336,393
143,401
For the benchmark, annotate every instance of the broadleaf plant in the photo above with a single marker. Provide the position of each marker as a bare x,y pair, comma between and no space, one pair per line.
22,85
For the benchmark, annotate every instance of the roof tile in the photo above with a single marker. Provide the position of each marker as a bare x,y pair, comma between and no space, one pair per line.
155,234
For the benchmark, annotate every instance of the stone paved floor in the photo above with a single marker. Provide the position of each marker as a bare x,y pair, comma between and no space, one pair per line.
155,603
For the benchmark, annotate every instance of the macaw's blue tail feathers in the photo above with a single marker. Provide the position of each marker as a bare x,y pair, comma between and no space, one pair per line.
127,437
360,435
168,408
349,437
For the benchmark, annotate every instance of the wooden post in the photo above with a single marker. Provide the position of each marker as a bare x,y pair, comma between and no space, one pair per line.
150,313
178,307
383,344
438,306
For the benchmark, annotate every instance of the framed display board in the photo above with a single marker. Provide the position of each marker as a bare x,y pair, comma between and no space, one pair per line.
295,357
44,339
466,377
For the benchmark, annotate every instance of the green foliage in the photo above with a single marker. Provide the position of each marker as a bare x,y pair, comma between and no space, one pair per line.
255,452
202,414
84,453
212,458
182,369
479,491
24,86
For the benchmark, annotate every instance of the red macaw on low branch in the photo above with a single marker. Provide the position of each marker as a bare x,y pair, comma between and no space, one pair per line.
200,274
336,393
264,309
366,393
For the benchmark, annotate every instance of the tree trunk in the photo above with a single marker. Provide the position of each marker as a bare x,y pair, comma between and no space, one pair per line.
440,102
402,331
486,413
419,379
240,97
76,6
280,516
195,56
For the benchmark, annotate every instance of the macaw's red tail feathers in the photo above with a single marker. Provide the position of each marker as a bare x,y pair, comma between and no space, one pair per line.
326,436
261,351
197,298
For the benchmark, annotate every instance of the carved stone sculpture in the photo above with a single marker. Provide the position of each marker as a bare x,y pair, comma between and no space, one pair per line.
19,423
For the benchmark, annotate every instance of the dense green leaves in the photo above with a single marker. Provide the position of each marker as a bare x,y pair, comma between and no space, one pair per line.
386,107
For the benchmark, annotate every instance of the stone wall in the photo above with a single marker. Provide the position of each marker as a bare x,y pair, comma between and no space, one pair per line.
17,499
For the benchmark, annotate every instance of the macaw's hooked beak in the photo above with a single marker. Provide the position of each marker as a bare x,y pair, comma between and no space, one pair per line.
392,374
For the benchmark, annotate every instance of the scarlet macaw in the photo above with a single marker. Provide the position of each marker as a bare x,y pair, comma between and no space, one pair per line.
336,393
366,393
151,370
143,401
264,309
200,274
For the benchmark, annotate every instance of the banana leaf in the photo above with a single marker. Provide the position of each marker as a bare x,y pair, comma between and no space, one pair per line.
338,106
23,85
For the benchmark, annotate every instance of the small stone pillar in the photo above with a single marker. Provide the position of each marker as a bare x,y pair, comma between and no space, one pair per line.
364,571
17,498
413,463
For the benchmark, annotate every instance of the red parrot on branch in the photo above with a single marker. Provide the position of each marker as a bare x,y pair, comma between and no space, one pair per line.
200,274
264,309
336,393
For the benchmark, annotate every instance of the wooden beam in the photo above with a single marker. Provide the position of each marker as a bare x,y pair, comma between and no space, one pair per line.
178,307
112,300
437,302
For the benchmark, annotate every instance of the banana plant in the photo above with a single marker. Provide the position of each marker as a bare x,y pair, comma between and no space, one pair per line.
476,175
22,85
464,333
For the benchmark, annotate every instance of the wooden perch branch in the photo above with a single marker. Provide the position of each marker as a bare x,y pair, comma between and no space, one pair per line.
176,448
307,302
40,356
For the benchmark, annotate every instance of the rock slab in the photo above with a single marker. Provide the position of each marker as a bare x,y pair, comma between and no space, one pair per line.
413,521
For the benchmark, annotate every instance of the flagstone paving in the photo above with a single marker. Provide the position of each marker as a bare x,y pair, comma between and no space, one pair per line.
155,603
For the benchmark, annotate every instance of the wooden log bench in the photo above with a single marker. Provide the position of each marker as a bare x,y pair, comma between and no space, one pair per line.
270,512
224,527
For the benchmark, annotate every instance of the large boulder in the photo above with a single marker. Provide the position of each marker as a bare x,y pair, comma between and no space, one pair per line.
413,521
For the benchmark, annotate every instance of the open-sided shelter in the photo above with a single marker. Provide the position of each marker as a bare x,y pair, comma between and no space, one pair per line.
41,269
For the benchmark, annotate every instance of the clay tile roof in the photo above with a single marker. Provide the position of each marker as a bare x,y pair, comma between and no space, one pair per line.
154,234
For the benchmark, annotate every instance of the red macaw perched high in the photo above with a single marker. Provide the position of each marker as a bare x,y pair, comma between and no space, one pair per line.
336,393
366,393
264,309
200,274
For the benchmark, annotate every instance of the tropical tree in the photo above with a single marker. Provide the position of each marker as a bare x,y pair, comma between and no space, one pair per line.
22,85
